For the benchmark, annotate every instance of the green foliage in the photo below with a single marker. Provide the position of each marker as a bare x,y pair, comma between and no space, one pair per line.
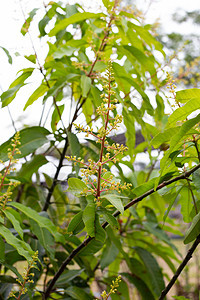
92,216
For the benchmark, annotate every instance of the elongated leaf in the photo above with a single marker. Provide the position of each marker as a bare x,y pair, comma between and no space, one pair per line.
22,248
31,139
164,137
45,238
85,85
2,252
65,50
75,222
8,96
109,217
185,95
8,54
39,92
89,219
181,113
27,23
56,116
194,230
78,17
76,186
10,214
78,293
141,286
115,200
130,131
100,234
109,254
74,144
32,166
40,220
153,269
67,276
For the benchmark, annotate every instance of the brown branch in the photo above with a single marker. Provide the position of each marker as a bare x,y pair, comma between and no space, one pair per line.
185,175
180,268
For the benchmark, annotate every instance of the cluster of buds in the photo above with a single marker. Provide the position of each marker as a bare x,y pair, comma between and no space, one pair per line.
27,278
113,290
94,173
6,195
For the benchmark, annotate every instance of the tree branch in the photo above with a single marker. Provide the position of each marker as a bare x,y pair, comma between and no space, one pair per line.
185,175
180,268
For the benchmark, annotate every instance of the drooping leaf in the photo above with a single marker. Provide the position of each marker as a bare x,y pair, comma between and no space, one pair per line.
129,122
108,217
78,17
194,230
32,166
100,234
31,139
68,276
75,222
40,220
85,85
39,92
11,215
22,248
56,116
78,293
153,269
8,54
2,252
89,219
109,254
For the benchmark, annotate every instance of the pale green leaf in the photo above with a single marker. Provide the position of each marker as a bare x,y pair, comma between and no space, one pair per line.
85,85
182,112
8,54
10,214
39,92
185,95
164,137
76,186
78,17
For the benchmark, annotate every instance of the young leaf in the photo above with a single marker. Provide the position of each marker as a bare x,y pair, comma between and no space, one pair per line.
194,230
76,186
89,219
115,200
85,85
185,95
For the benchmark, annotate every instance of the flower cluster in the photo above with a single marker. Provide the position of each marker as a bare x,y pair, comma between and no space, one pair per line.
27,275
94,173
113,289
4,182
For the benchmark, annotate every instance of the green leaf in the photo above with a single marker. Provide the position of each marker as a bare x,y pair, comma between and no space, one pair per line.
8,96
130,131
78,293
108,217
68,276
42,24
75,222
140,285
40,220
194,230
56,116
31,167
62,51
11,215
2,252
27,23
185,95
39,92
31,58
109,254
115,200
100,234
89,218
45,238
85,85
22,248
76,186
78,17
93,247
8,54
74,144
106,3
153,269
30,138
164,137
181,113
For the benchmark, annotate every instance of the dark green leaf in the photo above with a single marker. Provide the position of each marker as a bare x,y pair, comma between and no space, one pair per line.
89,218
